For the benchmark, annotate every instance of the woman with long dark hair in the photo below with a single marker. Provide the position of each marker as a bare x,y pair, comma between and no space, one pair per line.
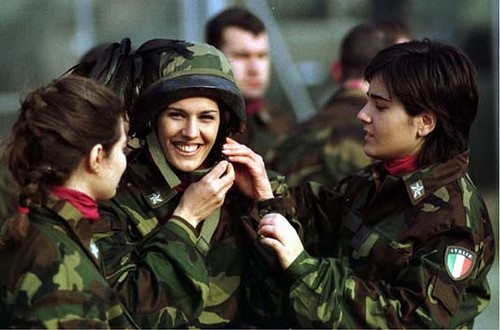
66,152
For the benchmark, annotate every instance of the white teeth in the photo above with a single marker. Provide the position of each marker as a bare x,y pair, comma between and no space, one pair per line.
187,147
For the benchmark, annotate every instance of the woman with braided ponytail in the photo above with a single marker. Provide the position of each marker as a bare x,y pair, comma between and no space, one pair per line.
66,153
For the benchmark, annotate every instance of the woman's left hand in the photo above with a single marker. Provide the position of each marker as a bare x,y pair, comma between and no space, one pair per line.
279,234
251,175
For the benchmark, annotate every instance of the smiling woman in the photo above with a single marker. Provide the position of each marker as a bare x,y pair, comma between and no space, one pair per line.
179,239
187,131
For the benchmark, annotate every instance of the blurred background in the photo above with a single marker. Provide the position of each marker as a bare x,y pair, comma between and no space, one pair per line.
43,39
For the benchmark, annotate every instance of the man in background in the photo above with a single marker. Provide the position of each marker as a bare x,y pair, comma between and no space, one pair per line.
329,146
243,38
396,28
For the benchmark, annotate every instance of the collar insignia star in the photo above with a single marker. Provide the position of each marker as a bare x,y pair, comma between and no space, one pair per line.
417,189
94,249
155,198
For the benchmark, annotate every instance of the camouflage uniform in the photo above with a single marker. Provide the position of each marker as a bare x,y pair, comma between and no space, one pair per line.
53,280
167,272
264,128
9,189
327,147
404,252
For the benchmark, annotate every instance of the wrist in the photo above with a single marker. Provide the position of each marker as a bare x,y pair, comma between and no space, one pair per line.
267,205
264,194
264,197
186,225
186,217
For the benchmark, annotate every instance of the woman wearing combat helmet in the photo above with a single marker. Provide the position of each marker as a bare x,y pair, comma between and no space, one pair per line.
179,241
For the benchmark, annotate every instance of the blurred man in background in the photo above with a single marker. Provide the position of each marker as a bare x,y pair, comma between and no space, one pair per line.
329,146
243,38
396,28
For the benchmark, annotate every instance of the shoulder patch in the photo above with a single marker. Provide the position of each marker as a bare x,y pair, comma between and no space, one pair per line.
459,262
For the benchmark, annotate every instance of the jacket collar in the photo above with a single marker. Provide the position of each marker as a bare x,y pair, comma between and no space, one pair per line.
74,221
159,183
424,182
161,163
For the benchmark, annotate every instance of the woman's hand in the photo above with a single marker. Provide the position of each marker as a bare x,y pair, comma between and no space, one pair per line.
279,234
202,198
251,175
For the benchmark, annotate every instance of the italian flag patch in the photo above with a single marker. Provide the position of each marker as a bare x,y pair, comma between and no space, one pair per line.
459,262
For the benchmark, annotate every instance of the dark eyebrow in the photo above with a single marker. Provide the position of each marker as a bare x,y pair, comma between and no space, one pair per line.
174,109
378,97
204,112
210,111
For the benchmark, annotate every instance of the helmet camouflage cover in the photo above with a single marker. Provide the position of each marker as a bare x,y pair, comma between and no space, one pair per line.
172,70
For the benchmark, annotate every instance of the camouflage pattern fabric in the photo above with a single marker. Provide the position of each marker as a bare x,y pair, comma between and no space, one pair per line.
165,277
264,129
327,147
9,189
403,252
52,280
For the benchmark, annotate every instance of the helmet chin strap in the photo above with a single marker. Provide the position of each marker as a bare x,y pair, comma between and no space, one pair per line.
158,157
166,170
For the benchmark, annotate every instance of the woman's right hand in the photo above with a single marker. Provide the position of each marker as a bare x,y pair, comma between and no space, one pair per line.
202,198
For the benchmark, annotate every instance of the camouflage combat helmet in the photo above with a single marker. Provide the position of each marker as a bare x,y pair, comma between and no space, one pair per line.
170,73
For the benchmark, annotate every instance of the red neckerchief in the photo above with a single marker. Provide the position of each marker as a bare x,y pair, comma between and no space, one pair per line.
182,186
354,84
253,106
401,165
82,202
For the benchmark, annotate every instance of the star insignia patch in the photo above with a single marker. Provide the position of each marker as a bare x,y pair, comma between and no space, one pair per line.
417,189
155,198
459,262
94,249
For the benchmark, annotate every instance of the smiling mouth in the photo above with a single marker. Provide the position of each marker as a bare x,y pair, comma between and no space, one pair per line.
187,148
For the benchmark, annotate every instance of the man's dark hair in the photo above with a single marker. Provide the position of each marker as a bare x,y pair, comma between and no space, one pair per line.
394,27
358,47
233,16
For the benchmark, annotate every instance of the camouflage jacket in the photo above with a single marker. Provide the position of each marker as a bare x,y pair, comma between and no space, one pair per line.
170,274
9,190
400,252
327,147
52,279
264,128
